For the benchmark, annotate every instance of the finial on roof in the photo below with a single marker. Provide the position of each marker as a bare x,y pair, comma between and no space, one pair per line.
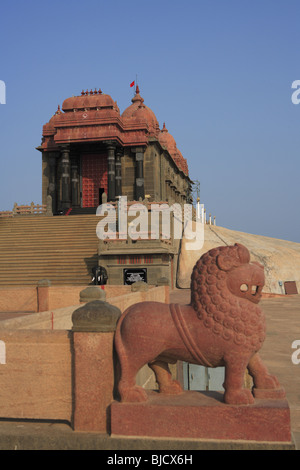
100,91
137,90
82,93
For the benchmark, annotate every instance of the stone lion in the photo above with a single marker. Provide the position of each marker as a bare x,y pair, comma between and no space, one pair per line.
222,326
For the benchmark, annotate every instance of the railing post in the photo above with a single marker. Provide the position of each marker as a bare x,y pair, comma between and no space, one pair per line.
93,331
43,295
14,211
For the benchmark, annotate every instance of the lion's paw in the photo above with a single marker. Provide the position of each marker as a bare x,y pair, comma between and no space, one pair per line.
269,393
239,397
134,394
171,388
267,382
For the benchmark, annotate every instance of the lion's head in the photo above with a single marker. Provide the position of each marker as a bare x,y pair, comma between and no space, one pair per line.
225,290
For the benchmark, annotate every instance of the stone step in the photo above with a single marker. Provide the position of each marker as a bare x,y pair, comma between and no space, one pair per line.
61,249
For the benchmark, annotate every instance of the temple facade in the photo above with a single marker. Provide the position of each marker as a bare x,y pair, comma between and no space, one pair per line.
89,148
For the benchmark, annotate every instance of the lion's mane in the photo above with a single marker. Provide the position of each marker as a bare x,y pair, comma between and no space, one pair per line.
233,318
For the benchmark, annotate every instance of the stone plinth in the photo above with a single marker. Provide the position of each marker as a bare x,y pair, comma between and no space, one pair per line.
202,415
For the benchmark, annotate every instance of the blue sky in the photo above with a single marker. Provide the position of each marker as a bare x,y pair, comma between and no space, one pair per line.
217,72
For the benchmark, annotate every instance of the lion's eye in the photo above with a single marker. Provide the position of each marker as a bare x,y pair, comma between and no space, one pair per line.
244,288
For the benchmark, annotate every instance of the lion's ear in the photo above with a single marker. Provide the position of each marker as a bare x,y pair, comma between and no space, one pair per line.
225,262
243,253
235,256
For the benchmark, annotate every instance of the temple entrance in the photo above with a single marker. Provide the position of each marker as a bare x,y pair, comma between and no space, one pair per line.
94,179
101,191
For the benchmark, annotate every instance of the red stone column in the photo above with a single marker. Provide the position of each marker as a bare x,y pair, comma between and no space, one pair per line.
93,329
139,175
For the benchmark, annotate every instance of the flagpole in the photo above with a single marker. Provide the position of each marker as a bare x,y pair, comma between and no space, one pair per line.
134,84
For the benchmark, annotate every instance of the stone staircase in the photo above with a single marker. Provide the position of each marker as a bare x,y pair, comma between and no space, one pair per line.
62,249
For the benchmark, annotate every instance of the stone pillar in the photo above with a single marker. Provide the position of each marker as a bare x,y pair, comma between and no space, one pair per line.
111,172
75,183
52,181
173,195
139,173
43,295
66,187
93,331
119,153
49,206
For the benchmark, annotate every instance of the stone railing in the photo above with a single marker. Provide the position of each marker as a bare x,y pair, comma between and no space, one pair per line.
30,209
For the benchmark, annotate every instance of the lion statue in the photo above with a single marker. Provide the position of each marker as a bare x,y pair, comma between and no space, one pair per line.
222,326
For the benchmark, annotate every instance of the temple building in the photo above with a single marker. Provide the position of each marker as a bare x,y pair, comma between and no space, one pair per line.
89,148
91,153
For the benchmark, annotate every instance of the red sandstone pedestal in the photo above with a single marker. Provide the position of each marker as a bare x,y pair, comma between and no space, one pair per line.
202,415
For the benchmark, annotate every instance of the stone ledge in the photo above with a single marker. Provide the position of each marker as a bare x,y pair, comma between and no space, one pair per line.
26,435
202,415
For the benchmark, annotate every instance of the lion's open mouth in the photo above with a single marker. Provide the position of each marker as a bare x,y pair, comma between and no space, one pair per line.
251,291
254,290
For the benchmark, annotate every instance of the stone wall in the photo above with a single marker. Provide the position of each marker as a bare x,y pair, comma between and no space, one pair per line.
36,380
43,365
61,318
25,299
18,299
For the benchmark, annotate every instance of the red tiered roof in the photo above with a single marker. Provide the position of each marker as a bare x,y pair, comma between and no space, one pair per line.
94,116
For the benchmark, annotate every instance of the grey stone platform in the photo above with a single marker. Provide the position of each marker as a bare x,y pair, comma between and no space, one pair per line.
18,435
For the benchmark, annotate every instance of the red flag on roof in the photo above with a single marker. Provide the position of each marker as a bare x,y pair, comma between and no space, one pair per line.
131,84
